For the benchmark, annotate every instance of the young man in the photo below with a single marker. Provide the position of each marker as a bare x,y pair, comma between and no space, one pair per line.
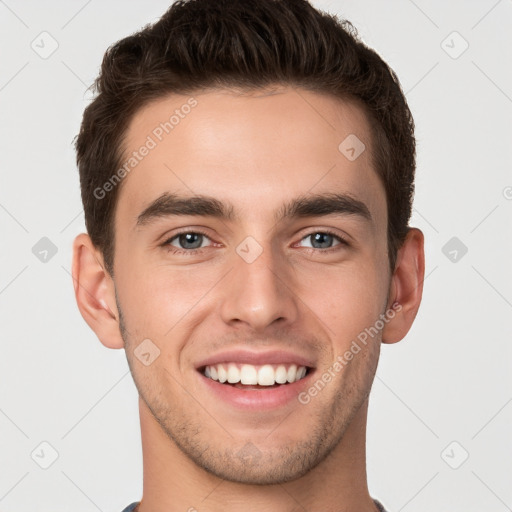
247,175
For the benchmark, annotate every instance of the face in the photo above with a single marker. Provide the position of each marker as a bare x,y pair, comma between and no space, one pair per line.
280,263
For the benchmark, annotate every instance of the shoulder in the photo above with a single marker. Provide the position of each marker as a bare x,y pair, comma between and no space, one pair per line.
379,505
131,508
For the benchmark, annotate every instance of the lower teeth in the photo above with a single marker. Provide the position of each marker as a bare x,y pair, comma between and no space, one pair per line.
256,386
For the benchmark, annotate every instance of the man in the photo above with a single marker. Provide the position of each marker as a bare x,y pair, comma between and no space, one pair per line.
247,175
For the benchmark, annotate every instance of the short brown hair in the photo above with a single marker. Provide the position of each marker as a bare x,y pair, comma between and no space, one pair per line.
247,44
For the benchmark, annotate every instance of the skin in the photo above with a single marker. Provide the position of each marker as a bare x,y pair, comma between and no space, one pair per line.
256,151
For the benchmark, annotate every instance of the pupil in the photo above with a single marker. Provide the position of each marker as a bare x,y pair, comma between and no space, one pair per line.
192,238
321,238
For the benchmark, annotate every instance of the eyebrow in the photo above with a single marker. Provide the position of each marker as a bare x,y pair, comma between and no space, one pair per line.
312,205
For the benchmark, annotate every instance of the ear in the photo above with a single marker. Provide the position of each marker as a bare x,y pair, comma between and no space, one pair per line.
95,292
406,287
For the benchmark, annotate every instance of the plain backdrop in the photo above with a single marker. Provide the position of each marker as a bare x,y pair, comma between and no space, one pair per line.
439,425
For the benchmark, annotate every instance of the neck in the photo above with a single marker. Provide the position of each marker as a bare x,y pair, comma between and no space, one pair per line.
173,483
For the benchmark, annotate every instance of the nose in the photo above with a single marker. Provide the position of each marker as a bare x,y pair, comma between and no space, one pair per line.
259,293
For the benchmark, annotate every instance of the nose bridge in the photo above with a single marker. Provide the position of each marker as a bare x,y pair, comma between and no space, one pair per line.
258,293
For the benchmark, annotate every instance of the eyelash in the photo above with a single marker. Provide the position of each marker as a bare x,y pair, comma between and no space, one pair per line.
193,252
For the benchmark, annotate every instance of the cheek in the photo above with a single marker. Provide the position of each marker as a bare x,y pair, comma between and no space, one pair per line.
157,298
347,300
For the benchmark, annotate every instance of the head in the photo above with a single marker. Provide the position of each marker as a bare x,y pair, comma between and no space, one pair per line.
264,124
197,45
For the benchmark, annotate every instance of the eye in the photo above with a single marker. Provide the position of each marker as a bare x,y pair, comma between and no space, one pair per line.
187,241
324,240
191,242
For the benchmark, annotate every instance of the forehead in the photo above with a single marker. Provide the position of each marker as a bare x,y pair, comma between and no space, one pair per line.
253,150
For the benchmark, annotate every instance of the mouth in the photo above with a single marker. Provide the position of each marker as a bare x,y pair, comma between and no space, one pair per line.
255,377
256,381
256,388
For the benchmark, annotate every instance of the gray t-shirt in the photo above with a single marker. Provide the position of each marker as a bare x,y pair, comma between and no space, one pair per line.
131,508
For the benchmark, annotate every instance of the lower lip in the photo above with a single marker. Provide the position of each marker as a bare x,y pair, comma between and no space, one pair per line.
257,399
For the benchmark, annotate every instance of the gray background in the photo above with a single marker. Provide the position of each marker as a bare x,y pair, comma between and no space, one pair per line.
442,394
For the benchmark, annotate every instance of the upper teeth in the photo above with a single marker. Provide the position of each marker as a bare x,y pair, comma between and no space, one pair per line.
266,375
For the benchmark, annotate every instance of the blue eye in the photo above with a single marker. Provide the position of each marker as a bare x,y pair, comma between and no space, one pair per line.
324,240
187,241
191,242
320,240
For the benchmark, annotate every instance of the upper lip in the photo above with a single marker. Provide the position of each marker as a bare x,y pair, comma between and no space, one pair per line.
243,356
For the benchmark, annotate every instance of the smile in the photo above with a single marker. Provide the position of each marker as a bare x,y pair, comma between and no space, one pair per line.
255,375
251,381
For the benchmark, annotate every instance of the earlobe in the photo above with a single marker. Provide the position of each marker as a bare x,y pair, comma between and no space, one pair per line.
406,287
94,292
